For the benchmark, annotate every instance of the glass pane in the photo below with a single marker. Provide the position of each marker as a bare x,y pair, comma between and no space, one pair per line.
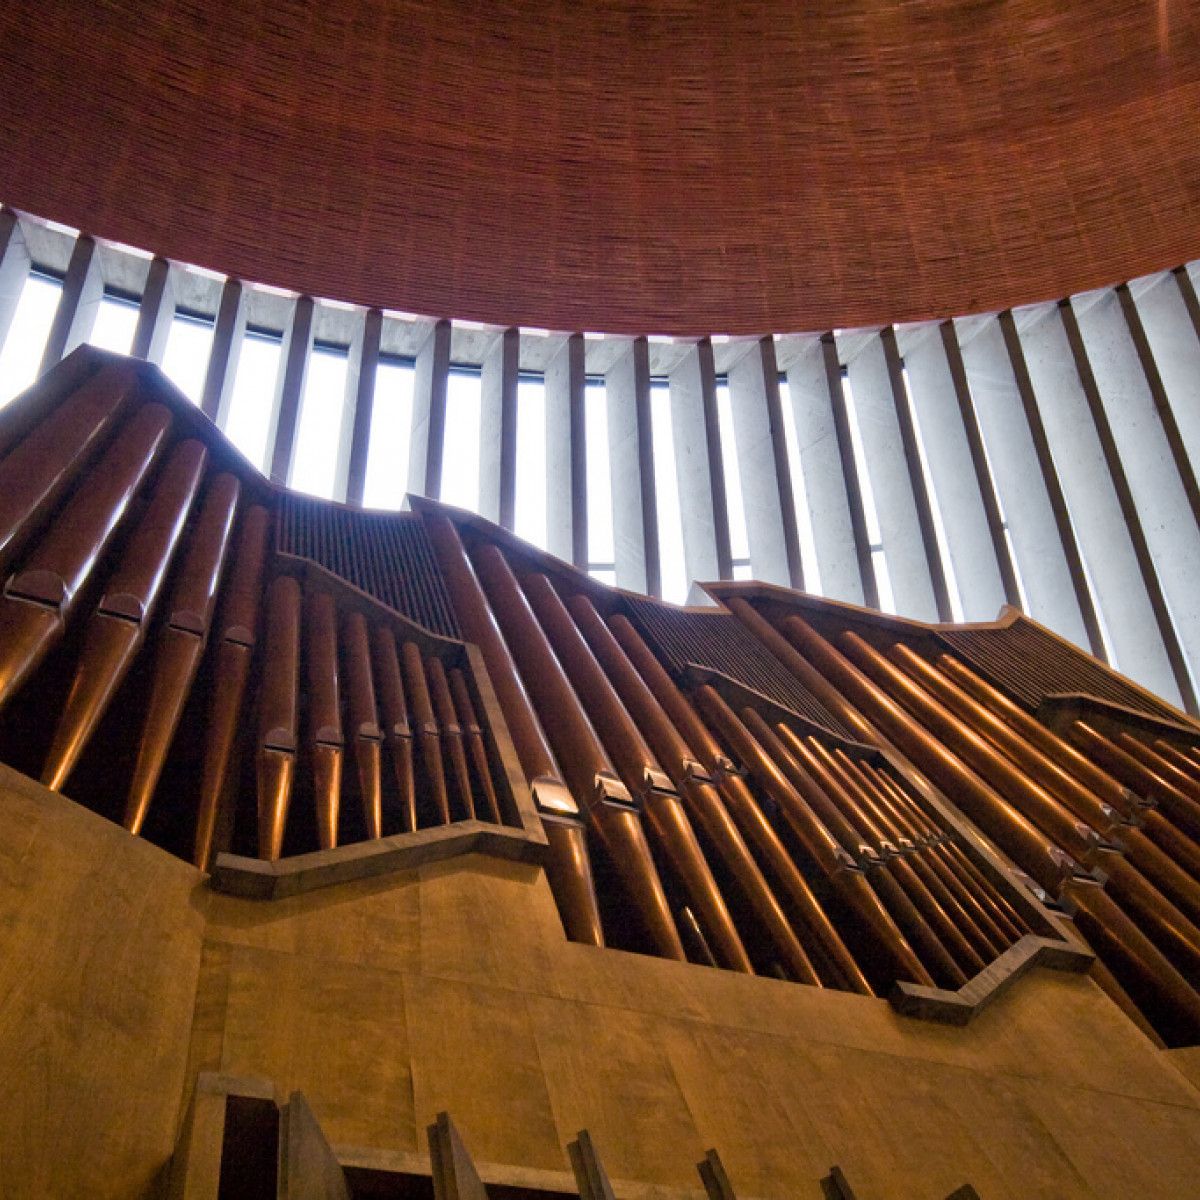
391,420
808,541
883,580
460,449
319,425
253,398
185,356
666,491
739,545
604,575
599,481
116,321
530,514
742,571
26,340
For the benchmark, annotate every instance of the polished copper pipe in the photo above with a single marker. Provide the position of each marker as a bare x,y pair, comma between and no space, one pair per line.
1136,960
1183,784
325,741
237,627
1012,830
397,729
1106,981
579,750
117,629
1174,755
452,736
1167,927
364,721
278,714
569,871
1169,838
182,641
1135,771
816,839
703,803
957,925
970,871
840,968
639,771
1060,751
940,942
473,733
1027,758
39,597
417,688
1071,834
1163,871
38,470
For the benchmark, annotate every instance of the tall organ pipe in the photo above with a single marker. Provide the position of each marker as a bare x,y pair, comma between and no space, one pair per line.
473,734
278,717
364,721
452,738
325,741
579,749
182,641
704,805
396,725
842,969
639,771
570,867
1013,831
417,687
831,859
238,620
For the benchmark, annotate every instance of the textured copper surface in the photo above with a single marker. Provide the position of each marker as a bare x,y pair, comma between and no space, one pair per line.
673,167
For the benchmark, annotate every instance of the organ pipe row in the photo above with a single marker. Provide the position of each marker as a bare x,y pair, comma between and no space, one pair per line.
860,807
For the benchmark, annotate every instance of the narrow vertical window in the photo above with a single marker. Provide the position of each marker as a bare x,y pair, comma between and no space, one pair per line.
1008,538
391,420
601,547
319,426
879,563
26,340
739,542
530,510
939,527
253,398
115,324
460,448
186,354
673,572
808,541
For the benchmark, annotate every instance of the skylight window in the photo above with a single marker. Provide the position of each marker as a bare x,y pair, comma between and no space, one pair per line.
601,547
250,406
460,449
672,569
115,324
186,354
26,340
739,543
319,424
529,518
387,450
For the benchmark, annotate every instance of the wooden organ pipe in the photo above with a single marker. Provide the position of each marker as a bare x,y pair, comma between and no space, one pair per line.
325,741
38,598
364,721
396,725
907,903
279,703
695,786
1053,818
589,773
118,627
1012,831
36,472
639,771
569,869
238,620
451,731
1139,965
417,687
841,969
834,862
1118,797
473,734
182,640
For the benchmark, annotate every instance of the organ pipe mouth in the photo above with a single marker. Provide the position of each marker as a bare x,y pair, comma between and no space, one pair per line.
551,795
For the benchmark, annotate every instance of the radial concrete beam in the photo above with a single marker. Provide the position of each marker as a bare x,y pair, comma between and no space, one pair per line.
289,395
566,454
364,362
82,291
429,413
498,430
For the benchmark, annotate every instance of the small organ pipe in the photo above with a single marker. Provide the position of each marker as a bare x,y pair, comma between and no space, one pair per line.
364,721
451,731
417,687
238,619
473,734
278,719
397,729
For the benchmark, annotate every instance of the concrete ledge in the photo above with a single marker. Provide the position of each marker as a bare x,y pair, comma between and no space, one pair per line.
256,879
957,1008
